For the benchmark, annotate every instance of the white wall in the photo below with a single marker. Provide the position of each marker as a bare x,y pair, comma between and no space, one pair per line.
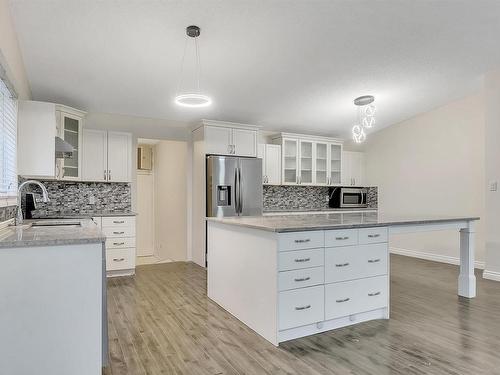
432,164
10,54
492,138
171,170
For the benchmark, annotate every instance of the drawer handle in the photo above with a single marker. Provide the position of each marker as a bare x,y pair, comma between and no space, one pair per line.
118,259
303,307
118,221
302,260
118,243
374,260
342,264
118,232
342,238
373,294
303,241
373,235
303,279
342,300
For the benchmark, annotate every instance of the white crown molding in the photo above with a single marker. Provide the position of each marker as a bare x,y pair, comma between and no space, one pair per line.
433,257
317,138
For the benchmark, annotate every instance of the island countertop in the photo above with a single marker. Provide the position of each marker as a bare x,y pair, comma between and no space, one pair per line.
334,220
29,236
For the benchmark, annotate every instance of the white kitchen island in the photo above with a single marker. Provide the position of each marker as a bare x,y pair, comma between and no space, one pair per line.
292,276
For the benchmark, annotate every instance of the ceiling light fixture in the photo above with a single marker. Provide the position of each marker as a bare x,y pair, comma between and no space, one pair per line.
192,99
366,117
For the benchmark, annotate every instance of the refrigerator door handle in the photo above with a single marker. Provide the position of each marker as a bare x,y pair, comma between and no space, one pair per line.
239,191
236,192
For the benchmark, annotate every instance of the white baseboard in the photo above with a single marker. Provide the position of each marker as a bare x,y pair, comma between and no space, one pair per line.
491,275
431,256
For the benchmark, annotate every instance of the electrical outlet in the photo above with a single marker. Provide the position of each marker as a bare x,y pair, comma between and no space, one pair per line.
493,185
91,199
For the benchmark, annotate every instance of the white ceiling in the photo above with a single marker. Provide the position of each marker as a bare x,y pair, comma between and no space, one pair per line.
288,65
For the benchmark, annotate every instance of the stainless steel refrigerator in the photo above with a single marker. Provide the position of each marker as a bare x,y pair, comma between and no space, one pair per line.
234,186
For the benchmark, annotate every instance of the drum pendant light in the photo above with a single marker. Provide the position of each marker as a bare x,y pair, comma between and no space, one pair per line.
192,99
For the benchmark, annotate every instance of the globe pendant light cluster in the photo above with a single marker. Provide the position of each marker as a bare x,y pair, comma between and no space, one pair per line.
192,99
366,117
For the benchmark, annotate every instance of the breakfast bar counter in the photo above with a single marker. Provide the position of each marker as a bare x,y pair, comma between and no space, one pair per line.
290,276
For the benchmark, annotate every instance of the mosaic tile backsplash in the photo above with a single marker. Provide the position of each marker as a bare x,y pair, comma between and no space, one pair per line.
7,213
285,197
68,198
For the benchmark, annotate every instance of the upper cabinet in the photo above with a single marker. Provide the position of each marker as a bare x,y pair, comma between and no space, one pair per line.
353,168
271,163
38,125
225,138
308,160
107,156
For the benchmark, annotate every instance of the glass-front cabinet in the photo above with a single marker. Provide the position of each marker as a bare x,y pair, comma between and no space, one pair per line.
310,160
69,128
290,162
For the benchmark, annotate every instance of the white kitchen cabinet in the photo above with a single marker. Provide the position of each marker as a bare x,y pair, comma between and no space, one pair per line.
310,160
271,163
38,125
353,168
69,128
107,156
225,140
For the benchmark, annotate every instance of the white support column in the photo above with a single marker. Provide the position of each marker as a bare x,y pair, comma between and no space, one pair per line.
466,278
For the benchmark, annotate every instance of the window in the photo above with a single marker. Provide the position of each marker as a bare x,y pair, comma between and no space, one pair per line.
8,138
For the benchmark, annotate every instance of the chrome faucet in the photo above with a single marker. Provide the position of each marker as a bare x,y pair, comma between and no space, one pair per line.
45,198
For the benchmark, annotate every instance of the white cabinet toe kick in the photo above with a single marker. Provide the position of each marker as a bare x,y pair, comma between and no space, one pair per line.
310,282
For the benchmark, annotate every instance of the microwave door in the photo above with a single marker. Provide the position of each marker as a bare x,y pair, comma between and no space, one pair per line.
221,194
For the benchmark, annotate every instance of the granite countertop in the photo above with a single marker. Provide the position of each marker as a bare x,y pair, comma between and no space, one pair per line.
334,220
312,210
27,235
83,215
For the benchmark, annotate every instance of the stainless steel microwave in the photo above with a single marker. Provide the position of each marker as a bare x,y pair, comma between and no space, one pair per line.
343,197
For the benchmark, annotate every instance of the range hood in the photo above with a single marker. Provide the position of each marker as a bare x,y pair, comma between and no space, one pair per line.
63,149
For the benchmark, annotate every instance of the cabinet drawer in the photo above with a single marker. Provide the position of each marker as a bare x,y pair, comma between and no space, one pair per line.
301,278
120,259
355,262
341,237
372,235
292,260
120,242
118,221
353,297
301,307
301,240
118,231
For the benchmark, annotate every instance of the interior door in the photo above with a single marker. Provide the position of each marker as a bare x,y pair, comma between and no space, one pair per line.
119,154
221,182
145,213
245,142
250,186
95,155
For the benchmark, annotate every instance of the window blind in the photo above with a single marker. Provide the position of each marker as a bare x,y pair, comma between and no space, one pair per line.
8,141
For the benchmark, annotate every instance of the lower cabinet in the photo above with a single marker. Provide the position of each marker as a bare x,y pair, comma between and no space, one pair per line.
330,279
120,244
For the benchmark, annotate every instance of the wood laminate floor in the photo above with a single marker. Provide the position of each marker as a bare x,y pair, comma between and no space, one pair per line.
161,322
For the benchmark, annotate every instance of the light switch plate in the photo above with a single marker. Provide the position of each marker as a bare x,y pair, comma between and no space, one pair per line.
493,185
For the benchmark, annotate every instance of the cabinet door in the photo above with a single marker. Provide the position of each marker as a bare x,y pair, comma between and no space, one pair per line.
218,140
273,164
346,168
95,155
70,129
119,156
334,163
321,163
290,162
244,142
306,162
358,168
